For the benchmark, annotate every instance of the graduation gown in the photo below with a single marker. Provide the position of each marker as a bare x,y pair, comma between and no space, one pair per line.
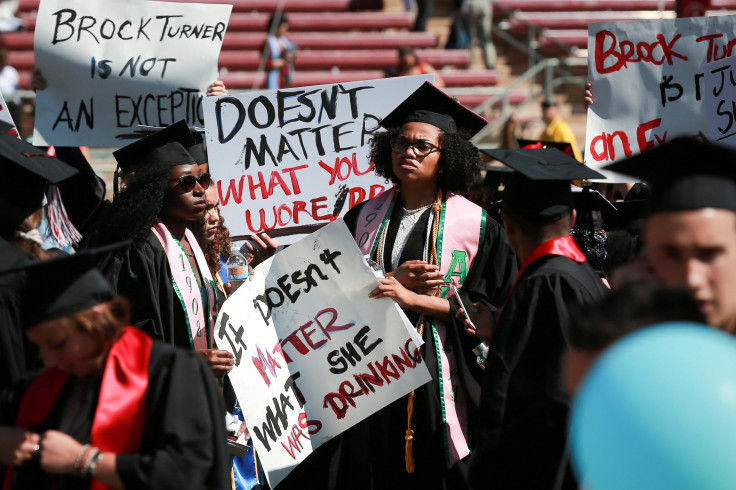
489,279
18,356
524,404
141,273
183,438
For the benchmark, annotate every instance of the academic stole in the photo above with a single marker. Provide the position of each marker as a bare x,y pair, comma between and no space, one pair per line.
467,223
186,286
121,408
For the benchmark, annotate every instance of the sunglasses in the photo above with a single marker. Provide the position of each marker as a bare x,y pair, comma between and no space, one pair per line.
188,182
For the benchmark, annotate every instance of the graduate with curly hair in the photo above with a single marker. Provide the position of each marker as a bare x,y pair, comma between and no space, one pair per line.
426,238
164,272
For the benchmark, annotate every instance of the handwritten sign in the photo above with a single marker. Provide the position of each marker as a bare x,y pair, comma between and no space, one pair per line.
6,117
296,158
116,64
648,83
720,101
313,354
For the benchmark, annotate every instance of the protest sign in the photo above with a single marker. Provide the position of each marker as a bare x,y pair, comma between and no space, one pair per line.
295,159
314,355
648,83
720,101
114,65
6,117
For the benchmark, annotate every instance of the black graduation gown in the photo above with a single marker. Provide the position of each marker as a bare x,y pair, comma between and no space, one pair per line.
183,444
83,194
382,435
18,356
524,403
141,273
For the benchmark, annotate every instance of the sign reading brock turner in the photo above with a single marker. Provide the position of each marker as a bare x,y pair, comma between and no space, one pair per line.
314,355
112,65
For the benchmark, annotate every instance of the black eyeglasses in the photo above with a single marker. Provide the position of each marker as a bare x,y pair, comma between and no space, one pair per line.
188,182
421,148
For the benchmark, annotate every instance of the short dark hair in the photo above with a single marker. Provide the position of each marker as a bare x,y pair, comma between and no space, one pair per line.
460,159
631,307
533,230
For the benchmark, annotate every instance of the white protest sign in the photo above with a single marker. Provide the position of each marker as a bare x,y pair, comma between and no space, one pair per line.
314,355
115,64
648,83
297,158
6,117
720,101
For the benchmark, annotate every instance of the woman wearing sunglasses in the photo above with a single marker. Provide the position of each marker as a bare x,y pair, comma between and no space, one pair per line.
427,238
164,272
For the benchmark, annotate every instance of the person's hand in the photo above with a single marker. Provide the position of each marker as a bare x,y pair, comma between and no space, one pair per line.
288,57
243,428
38,82
17,445
260,248
58,452
587,96
221,361
216,88
418,276
390,287
481,317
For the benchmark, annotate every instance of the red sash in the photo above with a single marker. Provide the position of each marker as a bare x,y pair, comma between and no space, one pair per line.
564,246
121,408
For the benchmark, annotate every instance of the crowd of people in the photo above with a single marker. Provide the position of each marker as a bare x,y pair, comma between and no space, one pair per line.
111,377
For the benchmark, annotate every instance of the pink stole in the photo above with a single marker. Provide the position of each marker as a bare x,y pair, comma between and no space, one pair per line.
458,245
186,286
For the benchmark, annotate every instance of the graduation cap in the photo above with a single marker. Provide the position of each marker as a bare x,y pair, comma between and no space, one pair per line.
63,285
28,171
629,216
430,105
564,147
540,189
168,146
685,174
588,203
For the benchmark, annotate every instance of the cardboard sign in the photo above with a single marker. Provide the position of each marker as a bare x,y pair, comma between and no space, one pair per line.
314,355
648,83
6,117
720,101
296,159
116,64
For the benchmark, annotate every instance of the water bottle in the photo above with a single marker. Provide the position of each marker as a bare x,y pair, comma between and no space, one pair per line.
237,268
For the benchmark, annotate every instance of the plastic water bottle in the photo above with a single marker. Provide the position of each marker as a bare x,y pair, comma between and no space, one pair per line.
237,268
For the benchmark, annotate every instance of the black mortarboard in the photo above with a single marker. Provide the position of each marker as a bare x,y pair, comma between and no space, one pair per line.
28,171
540,189
629,215
685,174
167,146
565,147
589,200
63,285
430,105
588,203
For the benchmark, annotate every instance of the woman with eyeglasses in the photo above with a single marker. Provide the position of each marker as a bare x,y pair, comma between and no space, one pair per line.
427,239
164,272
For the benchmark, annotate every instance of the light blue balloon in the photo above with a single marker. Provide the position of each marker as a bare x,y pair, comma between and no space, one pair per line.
658,411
